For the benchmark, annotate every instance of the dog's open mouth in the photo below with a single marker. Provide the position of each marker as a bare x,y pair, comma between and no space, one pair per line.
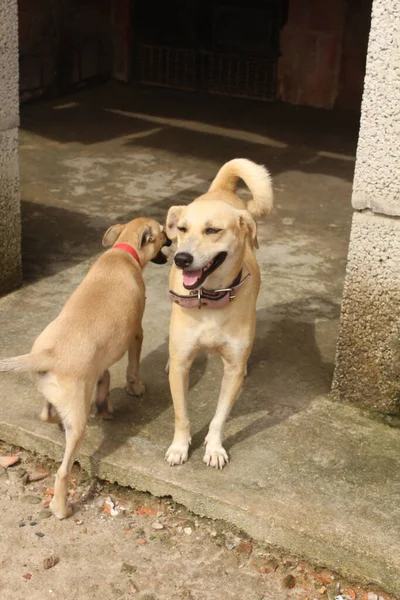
193,279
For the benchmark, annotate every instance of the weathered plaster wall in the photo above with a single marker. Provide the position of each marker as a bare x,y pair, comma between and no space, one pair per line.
377,175
368,352
10,222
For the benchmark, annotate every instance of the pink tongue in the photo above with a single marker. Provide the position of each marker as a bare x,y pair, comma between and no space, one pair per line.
191,277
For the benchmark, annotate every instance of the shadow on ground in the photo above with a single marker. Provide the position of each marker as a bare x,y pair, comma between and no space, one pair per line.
284,349
96,115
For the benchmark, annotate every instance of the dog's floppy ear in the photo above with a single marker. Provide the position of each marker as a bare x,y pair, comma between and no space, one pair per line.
145,236
112,234
174,214
246,220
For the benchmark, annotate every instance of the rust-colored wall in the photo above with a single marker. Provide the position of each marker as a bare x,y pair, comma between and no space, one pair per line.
323,46
122,38
62,43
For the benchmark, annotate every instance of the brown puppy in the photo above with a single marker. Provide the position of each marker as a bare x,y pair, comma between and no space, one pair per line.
215,271
102,319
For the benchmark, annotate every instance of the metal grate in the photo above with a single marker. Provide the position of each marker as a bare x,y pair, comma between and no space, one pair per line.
166,66
231,75
217,73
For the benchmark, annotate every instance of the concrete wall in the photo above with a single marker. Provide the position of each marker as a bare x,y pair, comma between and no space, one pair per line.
10,220
368,353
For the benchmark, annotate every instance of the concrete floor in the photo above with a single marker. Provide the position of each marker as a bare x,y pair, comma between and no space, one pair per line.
316,478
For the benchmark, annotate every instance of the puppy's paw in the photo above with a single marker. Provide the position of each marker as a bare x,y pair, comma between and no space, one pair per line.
135,388
105,409
215,456
106,414
49,414
61,512
177,453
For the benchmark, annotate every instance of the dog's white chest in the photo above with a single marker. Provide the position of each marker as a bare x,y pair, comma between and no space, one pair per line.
209,333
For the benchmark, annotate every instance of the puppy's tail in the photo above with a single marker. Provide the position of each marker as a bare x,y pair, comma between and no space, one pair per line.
26,362
257,179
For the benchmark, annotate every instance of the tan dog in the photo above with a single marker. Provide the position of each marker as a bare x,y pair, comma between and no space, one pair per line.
216,236
102,319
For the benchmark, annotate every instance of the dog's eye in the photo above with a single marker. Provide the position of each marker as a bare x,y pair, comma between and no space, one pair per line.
183,229
212,230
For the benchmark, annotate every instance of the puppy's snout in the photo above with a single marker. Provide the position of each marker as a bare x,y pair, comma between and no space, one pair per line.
183,260
167,241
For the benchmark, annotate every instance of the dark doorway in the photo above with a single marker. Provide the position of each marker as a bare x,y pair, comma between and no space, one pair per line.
228,47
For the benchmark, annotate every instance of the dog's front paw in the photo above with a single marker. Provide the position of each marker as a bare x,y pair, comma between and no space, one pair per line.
215,456
177,453
135,388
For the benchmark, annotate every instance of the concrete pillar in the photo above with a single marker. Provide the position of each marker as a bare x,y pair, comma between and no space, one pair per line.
10,218
368,351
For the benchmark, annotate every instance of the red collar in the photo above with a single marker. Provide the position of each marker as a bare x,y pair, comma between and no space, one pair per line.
129,249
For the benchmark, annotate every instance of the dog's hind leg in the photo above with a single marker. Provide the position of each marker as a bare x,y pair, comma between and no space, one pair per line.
74,413
134,386
103,401
47,383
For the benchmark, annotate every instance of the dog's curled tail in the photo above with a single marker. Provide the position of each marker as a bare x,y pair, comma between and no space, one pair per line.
257,179
25,362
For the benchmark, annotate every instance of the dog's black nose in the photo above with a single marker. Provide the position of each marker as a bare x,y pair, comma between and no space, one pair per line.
167,241
183,260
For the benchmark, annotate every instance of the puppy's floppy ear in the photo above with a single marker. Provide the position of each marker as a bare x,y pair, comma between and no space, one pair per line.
145,235
112,234
246,220
174,214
